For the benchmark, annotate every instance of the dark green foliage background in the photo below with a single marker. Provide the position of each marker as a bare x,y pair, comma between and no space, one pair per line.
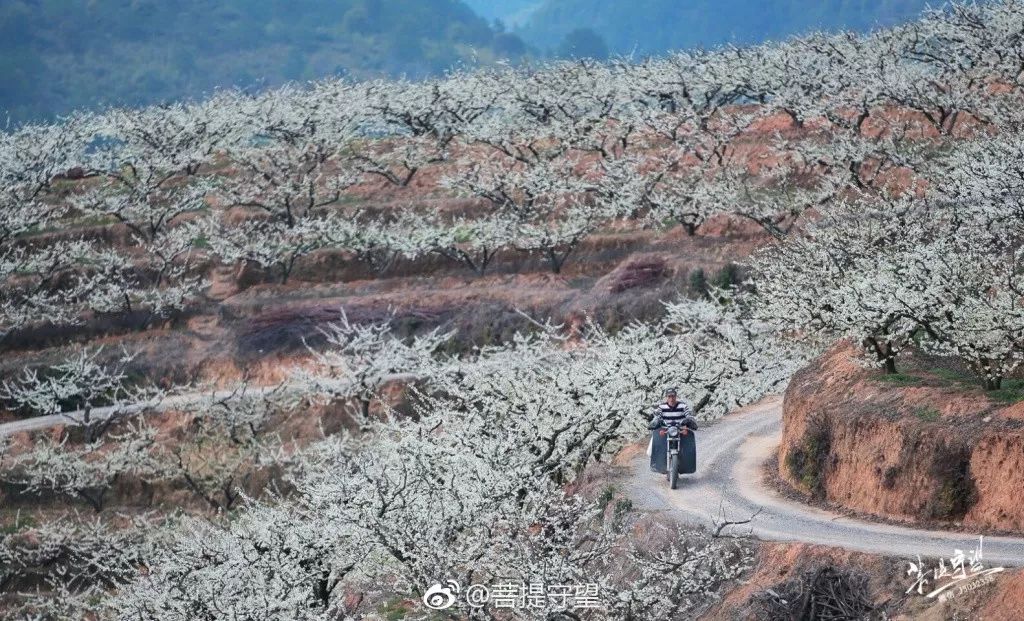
654,26
59,55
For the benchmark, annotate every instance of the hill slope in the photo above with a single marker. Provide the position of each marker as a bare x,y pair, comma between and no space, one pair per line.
653,26
509,11
57,55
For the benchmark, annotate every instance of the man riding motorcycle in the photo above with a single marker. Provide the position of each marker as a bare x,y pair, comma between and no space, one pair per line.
672,428
673,410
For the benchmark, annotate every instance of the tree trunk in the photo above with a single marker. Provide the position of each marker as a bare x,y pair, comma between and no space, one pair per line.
883,353
95,499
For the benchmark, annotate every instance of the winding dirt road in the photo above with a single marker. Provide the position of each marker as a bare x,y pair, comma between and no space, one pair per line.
729,482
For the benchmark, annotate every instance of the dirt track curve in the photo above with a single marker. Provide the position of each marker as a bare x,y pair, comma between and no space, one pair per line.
729,482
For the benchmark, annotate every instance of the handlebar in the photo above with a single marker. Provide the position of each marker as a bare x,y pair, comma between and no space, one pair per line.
659,423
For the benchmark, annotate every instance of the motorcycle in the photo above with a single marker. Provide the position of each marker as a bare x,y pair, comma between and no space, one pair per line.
673,449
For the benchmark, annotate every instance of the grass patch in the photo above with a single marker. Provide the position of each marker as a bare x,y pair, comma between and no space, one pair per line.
393,611
349,199
1012,391
667,223
927,414
900,379
24,522
957,379
952,376
397,610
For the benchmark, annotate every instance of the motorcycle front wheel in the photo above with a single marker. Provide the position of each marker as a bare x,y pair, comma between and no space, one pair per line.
673,472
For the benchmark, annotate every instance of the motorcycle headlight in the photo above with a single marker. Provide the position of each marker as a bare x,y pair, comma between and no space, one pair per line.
673,432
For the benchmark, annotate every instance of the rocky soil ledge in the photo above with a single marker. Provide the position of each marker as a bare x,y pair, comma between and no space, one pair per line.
924,446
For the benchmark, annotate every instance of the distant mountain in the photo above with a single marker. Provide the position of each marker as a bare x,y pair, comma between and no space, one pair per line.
654,26
58,55
510,12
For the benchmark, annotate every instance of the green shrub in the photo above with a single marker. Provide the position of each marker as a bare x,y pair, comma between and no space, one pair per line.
728,276
807,462
955,492
952,376
1011,391
698,283
623,507
605,497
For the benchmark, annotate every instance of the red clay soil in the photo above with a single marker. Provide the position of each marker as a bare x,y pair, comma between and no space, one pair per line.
917,448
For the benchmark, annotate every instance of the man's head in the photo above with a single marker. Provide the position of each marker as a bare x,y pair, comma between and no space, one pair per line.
671,398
